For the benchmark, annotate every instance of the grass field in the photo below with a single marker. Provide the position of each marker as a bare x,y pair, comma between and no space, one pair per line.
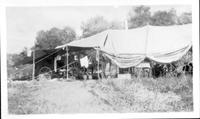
92,96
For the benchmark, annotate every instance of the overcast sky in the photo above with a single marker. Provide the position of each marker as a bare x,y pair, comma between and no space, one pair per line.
24,22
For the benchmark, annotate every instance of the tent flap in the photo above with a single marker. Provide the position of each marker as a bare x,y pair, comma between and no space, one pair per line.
170,56
126,61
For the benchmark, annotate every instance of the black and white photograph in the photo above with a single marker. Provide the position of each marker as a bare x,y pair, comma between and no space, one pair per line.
99,59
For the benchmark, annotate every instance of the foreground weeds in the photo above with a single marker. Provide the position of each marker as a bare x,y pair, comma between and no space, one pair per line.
21,97
26,97
113,95
147,95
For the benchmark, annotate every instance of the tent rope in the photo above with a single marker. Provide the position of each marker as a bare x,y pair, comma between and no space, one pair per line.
36,62
45,58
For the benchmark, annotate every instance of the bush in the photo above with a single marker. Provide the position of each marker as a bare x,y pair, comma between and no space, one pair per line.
23,72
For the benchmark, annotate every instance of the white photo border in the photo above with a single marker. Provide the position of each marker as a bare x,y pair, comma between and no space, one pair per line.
46,3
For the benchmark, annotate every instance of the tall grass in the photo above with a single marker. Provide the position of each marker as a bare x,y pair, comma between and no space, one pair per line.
23,98
148,94
122,95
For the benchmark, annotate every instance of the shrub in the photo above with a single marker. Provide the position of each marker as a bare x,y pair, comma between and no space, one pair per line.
23,72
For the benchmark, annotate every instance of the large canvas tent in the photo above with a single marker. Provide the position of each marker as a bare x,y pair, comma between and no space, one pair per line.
128,48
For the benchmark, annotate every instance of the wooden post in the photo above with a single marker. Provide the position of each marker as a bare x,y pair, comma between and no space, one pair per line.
55,64
98,63
67,58
33,73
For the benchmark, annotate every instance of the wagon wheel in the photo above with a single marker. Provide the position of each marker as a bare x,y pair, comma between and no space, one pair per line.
45,73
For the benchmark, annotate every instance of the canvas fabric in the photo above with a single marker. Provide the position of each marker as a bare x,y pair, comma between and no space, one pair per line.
84,62
128,48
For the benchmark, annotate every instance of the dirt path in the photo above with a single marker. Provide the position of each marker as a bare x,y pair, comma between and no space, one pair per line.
69,97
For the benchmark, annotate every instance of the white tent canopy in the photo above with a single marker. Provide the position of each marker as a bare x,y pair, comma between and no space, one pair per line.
128,48
92,41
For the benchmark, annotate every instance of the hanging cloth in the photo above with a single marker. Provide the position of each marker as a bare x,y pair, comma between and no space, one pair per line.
84,62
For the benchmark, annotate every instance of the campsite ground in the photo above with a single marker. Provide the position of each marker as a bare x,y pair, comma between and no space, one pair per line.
92,96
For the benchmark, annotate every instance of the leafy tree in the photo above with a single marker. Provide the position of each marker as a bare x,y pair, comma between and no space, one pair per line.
164,18
116,25
15,59
94,26
15,69
139,16
24,52
54,37
185,18
98,24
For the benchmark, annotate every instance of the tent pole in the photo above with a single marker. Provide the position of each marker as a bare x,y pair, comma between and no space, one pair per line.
33,73
98,63
55,64
67,58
